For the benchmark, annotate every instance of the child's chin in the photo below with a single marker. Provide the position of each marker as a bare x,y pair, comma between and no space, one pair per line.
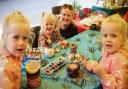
110,51
18,55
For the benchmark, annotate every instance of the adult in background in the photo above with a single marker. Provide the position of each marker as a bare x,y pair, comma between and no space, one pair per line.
67,26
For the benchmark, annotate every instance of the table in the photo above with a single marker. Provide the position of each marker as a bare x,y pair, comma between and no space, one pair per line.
80,27
120,10
88,45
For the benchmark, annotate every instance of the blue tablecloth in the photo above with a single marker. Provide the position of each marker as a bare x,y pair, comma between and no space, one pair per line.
87,44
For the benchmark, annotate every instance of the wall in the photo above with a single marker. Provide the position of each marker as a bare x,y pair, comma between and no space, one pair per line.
33,9
83,3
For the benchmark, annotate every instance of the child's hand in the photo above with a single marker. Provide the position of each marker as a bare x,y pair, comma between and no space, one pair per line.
84,60
95,67
91,65
63,43
48,41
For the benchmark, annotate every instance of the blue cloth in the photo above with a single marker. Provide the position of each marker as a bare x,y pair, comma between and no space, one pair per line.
87,44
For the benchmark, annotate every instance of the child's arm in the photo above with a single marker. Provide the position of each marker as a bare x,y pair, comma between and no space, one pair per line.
43,40
107,79
10,72
95,67
117,77
5,75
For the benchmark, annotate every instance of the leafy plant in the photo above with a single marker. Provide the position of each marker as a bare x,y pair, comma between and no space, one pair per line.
75,5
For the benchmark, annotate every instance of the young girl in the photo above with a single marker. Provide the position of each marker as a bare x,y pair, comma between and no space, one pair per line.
67,27
49,30
113,69
15,35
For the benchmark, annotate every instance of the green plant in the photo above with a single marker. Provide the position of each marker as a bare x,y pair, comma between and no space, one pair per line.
75,5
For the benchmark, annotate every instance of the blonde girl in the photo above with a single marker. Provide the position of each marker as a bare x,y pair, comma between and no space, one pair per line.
113,69
15,35
49,30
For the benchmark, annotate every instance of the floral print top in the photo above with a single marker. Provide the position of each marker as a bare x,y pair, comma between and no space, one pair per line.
10,71
42,41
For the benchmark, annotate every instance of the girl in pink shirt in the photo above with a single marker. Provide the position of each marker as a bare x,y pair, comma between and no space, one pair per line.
15,35
113,69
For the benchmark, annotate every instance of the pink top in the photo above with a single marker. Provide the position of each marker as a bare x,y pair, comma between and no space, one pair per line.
10,71
116,66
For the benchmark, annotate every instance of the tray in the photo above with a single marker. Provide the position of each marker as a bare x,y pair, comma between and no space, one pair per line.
54,65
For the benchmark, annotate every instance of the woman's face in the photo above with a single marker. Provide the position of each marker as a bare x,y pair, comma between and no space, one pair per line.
111,37
66,16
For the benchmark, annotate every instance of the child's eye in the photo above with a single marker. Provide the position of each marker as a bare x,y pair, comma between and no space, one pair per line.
104,35
68,15
63,14
51,24
113,35
25,38
16,37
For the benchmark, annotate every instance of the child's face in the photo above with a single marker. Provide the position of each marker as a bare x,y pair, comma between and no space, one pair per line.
66,16
16,40
111,37
49,26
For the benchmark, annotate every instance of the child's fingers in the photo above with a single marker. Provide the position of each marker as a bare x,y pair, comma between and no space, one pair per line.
84,60
95,66
89,67
91,64
49,41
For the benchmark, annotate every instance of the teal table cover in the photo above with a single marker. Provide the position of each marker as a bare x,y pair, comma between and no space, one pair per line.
87,44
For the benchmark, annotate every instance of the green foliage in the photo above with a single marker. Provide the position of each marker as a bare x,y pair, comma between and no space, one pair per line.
75,5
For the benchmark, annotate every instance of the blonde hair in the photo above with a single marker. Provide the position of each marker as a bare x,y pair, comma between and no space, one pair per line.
121,23
49,16
14,17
